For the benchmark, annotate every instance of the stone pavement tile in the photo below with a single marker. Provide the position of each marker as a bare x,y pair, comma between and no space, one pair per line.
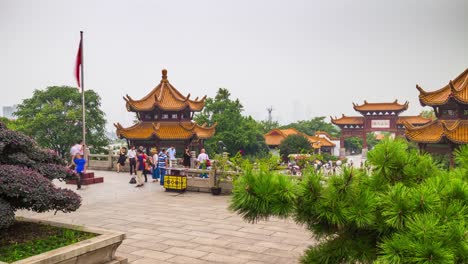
192,253
293,235
144,231
281,253
256,231
255,262
203,234
179,230
148,261
205,228
129,256
140,244
123,228
147,253
247,247
179,243
223,258
128,241
126,249
230,233
176,236
225,226
274,245
187,260
147,238
115,221
210,241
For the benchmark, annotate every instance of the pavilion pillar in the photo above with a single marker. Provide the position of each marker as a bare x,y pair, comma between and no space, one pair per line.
342,148
364,145
452,157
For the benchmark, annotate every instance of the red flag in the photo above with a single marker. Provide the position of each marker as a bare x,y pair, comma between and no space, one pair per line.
78,64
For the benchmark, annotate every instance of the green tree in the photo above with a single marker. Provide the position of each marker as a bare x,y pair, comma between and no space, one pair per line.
237,132
266,125
294,144
407,210
429,113
309,127
353,144
53,117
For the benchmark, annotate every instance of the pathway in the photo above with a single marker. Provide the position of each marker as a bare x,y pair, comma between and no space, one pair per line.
164,227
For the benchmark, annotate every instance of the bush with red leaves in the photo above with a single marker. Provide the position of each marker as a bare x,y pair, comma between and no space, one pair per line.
26,174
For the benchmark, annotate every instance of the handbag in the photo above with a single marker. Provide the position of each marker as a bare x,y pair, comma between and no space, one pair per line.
208,163
132,180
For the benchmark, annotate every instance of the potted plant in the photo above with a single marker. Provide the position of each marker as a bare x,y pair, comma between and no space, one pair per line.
219,167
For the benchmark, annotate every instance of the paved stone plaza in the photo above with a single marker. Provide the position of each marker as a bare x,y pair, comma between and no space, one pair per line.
165,227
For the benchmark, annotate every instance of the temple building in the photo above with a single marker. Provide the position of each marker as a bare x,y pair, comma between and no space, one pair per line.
165,119
320,142
375,117
450,128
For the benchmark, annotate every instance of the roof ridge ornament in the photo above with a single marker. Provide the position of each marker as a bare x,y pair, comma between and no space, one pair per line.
420,89
164,75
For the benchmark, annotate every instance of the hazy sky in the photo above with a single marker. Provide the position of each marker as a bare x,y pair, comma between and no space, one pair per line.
304,58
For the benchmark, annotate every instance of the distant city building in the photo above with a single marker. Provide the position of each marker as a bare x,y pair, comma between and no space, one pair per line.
8,111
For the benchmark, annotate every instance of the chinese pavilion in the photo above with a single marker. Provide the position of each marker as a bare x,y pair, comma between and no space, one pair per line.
165,119
450,129
320,143
375,117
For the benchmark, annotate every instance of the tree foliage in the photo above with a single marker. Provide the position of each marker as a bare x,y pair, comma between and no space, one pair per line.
309,127
406,210
26,172
294,144
53,117
237,132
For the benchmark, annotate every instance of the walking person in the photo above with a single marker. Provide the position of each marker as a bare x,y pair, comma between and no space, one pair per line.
122,158
155,173
132,159
75,150
141,164
80,162
162,163
187,157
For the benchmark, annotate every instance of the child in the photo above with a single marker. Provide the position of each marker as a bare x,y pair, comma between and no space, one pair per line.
80,169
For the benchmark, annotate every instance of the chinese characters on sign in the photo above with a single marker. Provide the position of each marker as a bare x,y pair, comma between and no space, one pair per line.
380,123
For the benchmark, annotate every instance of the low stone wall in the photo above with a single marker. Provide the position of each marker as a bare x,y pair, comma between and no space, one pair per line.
96,250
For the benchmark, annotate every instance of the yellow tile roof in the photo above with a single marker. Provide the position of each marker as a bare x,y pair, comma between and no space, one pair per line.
348,120
394,106
456,89
276,136
165,97
455,131
165,130
414,120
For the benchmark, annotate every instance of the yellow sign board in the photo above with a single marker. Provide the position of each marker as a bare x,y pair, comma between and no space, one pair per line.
175,183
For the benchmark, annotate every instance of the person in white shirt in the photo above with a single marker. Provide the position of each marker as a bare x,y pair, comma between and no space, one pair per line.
202,158
75,150
132,158
171,152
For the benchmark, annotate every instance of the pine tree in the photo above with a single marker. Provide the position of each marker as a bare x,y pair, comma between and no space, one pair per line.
407,210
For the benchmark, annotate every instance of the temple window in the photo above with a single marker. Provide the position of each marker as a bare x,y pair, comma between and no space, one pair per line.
174,116
465,112
155,116
147,116
165,116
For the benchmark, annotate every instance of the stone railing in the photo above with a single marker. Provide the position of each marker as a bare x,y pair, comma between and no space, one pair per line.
194,181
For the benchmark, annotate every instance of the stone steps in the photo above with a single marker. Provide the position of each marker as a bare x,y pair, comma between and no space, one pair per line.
87,179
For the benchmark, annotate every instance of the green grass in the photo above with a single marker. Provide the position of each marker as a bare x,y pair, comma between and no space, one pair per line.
11,250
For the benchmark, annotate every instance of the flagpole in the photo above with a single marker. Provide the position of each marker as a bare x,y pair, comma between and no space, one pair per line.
82,90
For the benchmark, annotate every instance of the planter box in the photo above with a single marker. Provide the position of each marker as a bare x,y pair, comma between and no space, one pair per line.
97,250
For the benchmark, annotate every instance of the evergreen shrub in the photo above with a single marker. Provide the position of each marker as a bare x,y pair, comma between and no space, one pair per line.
406,210
26,172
